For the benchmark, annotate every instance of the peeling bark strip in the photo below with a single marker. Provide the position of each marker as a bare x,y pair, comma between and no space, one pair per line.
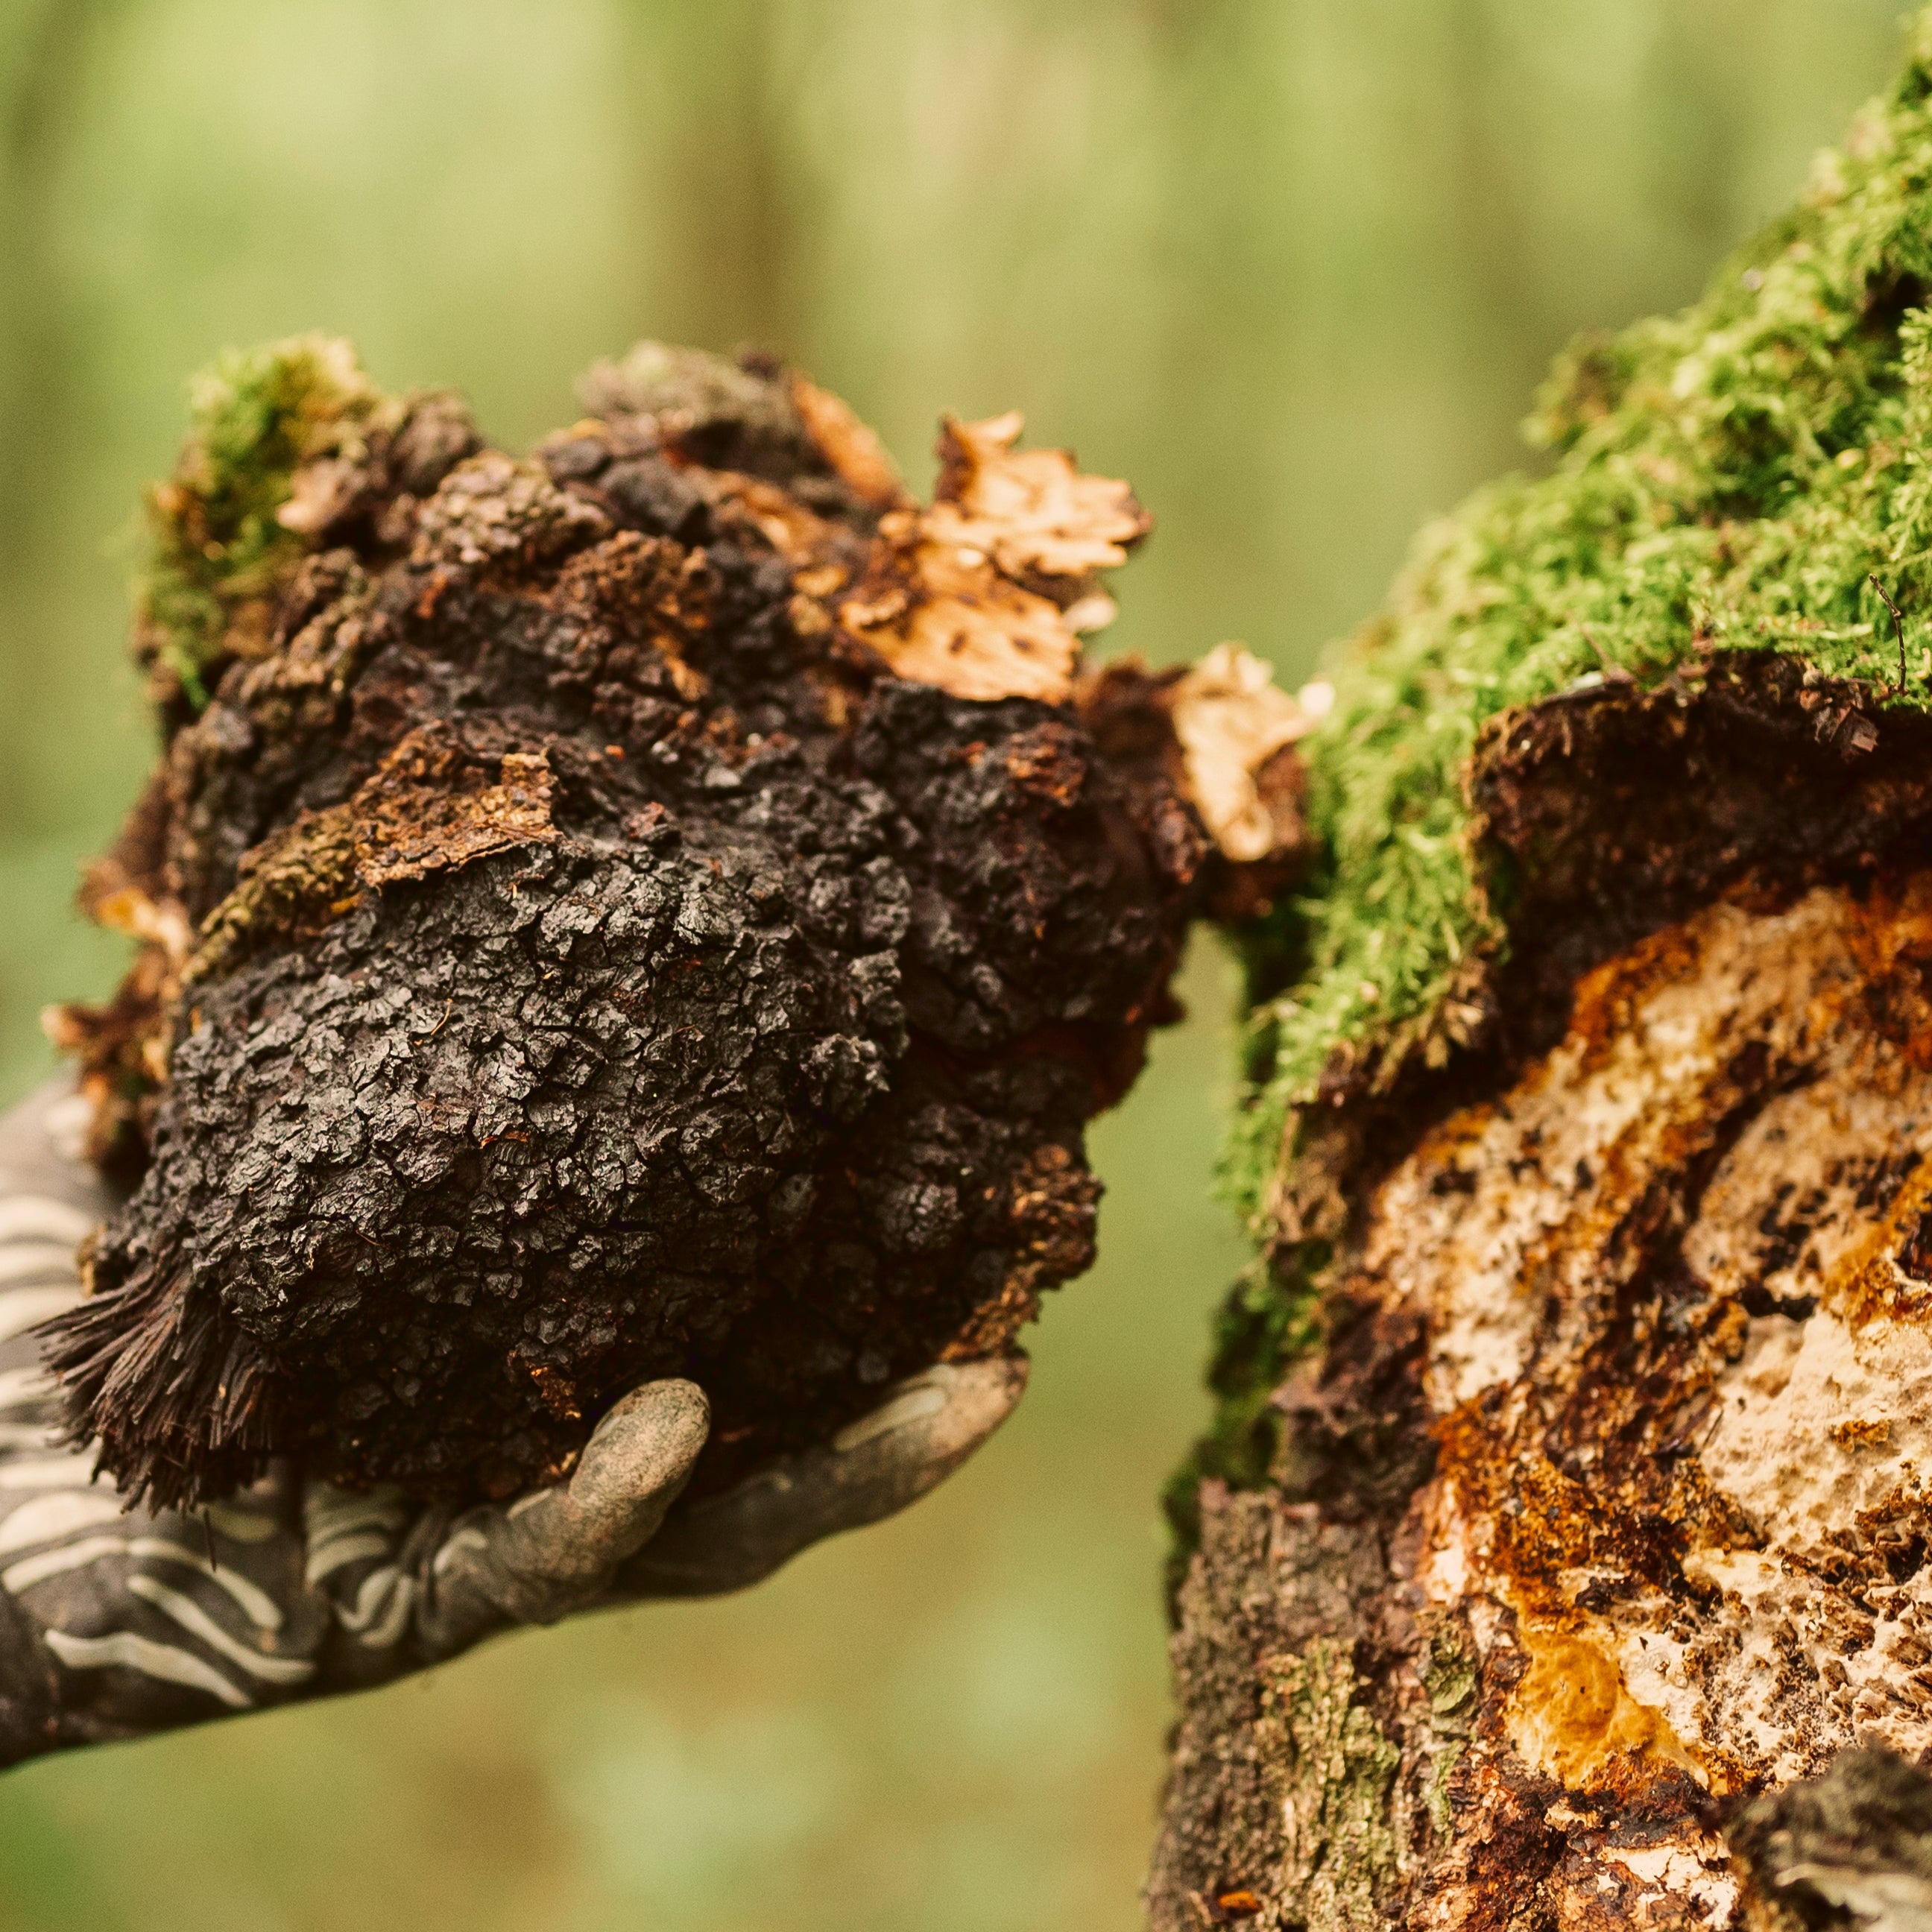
653,908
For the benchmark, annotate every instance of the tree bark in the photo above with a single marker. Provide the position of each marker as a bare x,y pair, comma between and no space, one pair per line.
1604,1503
1558,1558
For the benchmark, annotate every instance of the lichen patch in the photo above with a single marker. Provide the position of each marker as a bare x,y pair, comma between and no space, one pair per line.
1328,1768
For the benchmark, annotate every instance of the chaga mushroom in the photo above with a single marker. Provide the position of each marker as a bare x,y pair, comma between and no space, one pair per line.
657,906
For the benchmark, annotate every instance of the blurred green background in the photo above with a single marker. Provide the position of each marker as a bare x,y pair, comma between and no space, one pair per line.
1292,265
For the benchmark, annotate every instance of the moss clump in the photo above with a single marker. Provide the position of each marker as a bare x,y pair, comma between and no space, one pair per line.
225,539
1730,478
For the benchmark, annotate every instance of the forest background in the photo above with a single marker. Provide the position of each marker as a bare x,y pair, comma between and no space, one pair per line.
1293,266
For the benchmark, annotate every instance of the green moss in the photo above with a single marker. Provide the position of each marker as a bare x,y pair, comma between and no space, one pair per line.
220,552
1728,478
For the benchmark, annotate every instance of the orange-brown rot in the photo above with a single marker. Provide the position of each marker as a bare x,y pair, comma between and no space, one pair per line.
1888,933
1874,1281
1596,803
1443,1146
1607,999
1573,1718
1575,1491
1536,1531
1862,1432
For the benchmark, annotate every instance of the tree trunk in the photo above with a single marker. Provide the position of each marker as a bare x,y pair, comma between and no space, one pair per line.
1577,1575
1603,1504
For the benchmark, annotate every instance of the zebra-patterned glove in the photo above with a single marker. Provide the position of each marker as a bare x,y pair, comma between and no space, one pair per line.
115,1621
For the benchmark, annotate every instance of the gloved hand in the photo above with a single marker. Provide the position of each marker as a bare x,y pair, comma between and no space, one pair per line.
116,1622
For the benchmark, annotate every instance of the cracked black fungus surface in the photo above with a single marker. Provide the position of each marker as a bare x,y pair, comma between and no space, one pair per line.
769,1067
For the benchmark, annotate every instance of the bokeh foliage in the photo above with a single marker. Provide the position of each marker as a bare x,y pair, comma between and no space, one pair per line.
1293,265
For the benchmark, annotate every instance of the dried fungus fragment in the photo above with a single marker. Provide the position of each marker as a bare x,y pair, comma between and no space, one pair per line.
945,617
1031,512
429,809
1222,736
1231,719
985,594
431,806
851,447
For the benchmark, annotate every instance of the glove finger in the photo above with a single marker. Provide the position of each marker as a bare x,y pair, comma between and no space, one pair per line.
552,1552
924,1430
631,1471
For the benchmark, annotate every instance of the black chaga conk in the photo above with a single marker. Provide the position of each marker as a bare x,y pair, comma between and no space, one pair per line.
667,905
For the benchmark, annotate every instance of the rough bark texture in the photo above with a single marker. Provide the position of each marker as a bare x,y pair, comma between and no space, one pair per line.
1603,1508
1559,1556
575,957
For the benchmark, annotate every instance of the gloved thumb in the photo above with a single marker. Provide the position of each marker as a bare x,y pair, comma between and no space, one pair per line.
555,1550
